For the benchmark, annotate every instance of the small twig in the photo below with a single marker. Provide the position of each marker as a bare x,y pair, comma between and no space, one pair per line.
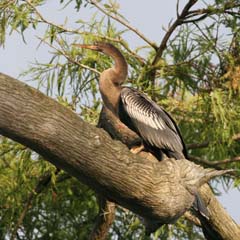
124,23
196,19
22,216
211,10
60,27
209,40
232,13
49,22
225,161
177,9
121,42
74,61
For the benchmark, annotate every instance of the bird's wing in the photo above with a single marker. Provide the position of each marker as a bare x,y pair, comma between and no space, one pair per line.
153,124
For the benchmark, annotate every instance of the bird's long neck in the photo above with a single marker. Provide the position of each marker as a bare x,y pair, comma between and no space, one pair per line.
120,67
110,90
111,79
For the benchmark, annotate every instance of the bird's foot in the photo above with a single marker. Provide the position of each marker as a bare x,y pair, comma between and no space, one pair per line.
137,149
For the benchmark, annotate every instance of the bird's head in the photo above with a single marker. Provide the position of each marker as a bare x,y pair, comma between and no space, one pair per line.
116,74
97,46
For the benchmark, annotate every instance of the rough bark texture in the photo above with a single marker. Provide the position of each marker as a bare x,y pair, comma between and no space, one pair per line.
159,191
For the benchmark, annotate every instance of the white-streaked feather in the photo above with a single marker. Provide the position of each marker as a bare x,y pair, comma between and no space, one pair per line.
151,121
143,114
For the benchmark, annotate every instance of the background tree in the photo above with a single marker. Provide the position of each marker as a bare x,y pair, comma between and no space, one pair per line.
193,72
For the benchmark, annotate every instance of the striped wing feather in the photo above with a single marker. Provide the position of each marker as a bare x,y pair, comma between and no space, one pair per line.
151,122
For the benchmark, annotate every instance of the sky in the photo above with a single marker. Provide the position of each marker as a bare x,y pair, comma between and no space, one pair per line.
150,17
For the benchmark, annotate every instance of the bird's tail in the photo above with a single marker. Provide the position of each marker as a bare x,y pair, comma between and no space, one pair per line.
199,207
201,212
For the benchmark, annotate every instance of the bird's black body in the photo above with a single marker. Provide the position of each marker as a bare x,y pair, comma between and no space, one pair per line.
152,123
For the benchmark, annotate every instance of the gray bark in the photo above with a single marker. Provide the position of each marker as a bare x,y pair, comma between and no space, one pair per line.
159,191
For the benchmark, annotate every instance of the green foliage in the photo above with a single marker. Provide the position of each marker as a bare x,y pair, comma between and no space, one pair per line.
197,80
65,210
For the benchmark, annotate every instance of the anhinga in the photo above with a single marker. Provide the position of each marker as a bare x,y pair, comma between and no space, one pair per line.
151,122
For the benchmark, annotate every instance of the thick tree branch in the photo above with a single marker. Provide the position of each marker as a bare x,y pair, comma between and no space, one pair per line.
159,191
59,135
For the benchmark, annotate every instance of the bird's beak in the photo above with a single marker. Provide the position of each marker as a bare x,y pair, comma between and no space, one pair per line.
92,47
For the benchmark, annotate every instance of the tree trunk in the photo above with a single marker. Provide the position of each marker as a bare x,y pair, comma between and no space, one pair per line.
160,191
